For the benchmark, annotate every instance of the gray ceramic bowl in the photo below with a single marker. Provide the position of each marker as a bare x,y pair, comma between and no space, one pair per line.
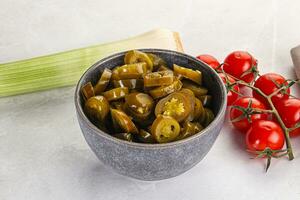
153,161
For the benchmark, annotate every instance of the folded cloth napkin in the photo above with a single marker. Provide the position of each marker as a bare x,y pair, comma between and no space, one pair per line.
295,53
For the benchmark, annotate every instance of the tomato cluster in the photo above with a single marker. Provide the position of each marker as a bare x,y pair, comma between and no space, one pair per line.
254,115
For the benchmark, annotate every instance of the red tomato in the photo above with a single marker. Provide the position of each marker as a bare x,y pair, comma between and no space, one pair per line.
241,65
243,124
268,83
231,96
263,134
289,111
209,60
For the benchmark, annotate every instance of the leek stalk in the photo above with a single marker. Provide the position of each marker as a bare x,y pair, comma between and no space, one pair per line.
65,68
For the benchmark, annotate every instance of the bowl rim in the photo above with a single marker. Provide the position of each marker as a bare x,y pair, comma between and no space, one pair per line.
205,131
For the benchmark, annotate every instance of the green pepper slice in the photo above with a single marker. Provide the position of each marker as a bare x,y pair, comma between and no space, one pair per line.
103,81
124,136
176,105
189,93
116,93
165,90
189,129
157,61
96,108
198,90
145,137
123,121
135,56
199,109
207,117
193,75
119,105
129,71
158,78
163,68
87,91
165,129
129,83
140,103
206,100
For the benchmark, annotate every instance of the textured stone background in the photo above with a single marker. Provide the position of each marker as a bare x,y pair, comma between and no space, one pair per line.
42,152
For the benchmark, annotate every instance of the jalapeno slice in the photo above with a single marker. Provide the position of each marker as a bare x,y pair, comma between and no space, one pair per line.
191,98
158,78
116,93
198,109
139,102
129,71
103,81
96,108
176,105
119,105
129,83
124,136
87,91
163,68
189,129
193,75
123,121
198,90
135,56
209,117
165,129
145,137
156,60
206,100
165,90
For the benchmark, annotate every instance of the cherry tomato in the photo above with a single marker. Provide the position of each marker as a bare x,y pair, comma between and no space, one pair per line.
263,134
289,111
231,96
209,60
243,124
269,83
241,65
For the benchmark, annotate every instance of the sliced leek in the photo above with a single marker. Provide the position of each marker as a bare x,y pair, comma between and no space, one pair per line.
65,68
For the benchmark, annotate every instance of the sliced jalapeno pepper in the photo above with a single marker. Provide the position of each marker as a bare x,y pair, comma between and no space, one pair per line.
119,105
158,78
191,97
199,109
189,129
129,83
207,117
145,137
103,81
165,90
135,56
163,68
206,100
193,75
87,91
124,136
116,93
123,121
96,108
157,61
165,129
129,71
176,105
198,90
139,102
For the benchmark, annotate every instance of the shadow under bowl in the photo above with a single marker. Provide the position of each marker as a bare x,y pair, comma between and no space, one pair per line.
153,161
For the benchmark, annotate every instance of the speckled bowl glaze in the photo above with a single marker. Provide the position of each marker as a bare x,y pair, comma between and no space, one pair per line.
153,161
